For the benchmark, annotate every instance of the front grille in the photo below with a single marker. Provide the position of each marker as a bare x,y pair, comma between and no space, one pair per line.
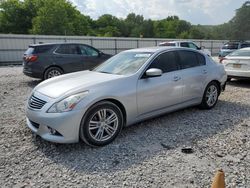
36,103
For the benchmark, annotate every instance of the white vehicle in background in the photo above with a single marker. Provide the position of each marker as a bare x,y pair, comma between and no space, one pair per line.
237,64
186,44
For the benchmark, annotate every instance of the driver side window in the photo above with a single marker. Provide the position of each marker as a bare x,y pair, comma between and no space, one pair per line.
167,62
192,45
88,51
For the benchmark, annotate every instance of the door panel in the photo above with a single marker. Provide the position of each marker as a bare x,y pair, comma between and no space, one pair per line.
194,82
68,57
69,63
194,74
159,92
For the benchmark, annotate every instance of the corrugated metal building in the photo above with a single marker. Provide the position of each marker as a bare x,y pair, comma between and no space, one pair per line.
12,46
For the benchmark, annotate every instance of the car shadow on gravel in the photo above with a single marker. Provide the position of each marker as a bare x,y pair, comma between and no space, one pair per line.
245,83
33,83
147,139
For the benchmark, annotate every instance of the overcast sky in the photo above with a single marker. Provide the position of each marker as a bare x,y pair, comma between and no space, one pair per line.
204,12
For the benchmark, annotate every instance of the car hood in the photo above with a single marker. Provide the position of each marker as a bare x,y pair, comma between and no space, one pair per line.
68,83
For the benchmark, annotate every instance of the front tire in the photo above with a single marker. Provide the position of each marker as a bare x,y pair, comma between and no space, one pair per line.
210,96
101,124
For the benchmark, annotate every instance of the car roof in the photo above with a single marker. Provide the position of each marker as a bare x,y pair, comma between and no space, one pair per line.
237,42
156,49
174,41
57,43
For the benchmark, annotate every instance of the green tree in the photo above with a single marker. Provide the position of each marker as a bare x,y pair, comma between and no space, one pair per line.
61,17
159,29
58,18
184,35
108,25
182,26
241,22
12,17
196,33
134,23
147,29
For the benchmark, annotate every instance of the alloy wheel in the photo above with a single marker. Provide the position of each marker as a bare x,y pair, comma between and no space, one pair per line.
211,95
53,73
103,125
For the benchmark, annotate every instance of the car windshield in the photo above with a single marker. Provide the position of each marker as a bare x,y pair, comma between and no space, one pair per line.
230,46
125,63
244,53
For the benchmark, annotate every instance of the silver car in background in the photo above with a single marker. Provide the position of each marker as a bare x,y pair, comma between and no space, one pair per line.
131,86
237,64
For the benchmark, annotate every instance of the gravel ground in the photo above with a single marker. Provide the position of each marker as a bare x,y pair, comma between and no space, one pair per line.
144,155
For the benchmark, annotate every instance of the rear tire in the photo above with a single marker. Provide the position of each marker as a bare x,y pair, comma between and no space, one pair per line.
101,124
210,96
52,72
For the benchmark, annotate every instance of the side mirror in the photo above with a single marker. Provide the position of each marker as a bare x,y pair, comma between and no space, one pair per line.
153,72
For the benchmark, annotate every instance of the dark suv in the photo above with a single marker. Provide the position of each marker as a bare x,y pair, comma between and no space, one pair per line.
231,46
48,60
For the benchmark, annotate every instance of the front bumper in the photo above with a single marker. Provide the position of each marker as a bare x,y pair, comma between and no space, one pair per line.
65,125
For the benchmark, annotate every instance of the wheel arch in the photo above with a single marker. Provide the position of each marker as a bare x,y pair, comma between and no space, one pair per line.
114,101
119,104
218,84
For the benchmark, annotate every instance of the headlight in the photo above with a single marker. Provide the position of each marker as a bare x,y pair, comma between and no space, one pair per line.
67,104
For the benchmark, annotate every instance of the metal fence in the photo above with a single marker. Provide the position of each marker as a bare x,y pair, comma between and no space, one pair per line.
12,47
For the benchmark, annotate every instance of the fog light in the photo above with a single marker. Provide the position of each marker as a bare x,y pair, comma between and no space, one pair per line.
52,131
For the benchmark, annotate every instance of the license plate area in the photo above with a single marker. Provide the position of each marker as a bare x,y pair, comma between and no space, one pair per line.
237,66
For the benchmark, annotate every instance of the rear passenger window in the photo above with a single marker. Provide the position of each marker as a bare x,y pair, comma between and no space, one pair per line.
68,49
166,62
42,49
184,44
188,59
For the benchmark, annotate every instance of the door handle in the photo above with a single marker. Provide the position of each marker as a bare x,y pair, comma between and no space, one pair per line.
176,78
204,71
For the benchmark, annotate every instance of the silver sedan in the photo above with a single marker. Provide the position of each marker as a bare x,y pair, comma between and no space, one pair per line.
132,86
